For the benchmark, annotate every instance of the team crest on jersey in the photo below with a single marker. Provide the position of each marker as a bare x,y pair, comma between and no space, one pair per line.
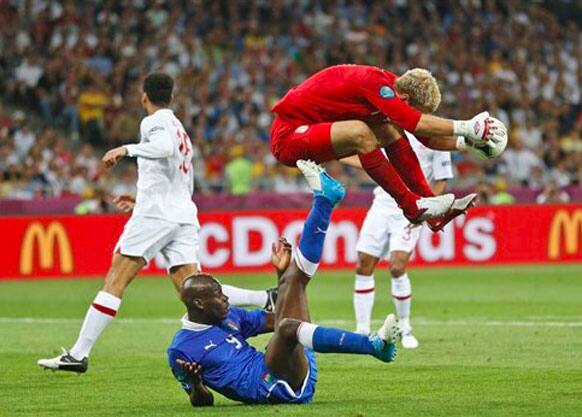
268,378
386,92
231,325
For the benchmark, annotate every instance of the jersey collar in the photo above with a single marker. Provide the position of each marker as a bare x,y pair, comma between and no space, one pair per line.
195,327
165,109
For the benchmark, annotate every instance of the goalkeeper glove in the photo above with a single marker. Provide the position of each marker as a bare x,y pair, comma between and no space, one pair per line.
481,130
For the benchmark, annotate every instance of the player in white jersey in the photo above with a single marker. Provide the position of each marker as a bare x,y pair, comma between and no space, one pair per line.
164,220
386,231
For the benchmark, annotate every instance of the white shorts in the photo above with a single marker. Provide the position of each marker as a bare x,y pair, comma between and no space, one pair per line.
386,230
145,237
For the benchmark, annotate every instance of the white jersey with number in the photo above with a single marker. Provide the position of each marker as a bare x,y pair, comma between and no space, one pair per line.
165,171
436,165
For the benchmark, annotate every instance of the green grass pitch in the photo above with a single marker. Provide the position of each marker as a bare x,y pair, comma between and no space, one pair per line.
493,342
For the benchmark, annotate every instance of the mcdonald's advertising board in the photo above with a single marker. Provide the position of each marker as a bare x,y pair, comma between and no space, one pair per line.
82,246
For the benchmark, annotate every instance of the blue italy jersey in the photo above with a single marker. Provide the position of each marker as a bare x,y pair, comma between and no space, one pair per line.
230,365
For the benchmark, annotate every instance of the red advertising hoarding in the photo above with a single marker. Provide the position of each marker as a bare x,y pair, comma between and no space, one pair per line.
76,246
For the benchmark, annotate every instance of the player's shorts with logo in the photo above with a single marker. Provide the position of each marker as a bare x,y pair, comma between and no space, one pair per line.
145,237
385,230
294,140
278,391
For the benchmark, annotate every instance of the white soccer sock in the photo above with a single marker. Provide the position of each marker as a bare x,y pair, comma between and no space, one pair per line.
240,297
305,265
401,295
305,334
101,312
364,292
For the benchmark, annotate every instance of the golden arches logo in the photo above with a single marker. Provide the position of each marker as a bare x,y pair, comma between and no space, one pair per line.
37,235
571,226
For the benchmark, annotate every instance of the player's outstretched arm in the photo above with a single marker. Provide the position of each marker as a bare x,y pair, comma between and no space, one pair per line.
200,396
440,143
481,129
460,143
159,143
151,150
430,125
112,157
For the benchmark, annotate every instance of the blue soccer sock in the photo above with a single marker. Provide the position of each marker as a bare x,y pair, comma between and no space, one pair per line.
315,228
330,340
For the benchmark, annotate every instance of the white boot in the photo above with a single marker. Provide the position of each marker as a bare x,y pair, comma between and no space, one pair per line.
433,206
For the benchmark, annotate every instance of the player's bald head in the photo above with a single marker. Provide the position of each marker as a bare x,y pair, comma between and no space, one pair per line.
197,286
203,297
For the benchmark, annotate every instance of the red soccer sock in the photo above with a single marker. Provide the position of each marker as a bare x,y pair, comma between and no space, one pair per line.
408,167
381,170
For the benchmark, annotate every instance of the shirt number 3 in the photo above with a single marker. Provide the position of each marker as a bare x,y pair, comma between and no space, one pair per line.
185,149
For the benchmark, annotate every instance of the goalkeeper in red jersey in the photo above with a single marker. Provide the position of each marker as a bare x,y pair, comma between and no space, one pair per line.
351,112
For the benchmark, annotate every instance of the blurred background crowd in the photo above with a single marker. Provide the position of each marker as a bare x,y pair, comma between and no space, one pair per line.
70,78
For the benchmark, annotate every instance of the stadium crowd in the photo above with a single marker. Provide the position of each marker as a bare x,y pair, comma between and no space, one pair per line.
70,77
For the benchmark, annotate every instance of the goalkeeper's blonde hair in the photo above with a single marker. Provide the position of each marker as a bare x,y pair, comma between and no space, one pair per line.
422,89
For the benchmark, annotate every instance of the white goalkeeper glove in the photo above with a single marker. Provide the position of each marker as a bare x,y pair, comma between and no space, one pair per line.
481,130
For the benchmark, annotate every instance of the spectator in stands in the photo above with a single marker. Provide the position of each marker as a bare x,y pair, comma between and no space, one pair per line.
519,161
57,179
79,182
502,196
215,164
86,158
239,172
94,202
486,192
126,185
552,194
286,181
124,126
538,178
47,92
24,137
560,174
93,100
27,75
531,136
73,64
67,112
7,150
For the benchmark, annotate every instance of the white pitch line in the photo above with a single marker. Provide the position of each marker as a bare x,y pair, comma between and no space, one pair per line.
347,323
488,323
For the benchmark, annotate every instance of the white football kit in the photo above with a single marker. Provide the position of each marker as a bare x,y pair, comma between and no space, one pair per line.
164,219
385,228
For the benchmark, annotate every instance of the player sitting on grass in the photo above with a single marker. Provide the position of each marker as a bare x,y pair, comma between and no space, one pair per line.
211,349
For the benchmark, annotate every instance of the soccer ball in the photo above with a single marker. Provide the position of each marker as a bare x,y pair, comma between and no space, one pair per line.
485,152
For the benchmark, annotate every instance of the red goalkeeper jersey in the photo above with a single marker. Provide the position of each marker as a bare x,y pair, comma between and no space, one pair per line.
347,92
